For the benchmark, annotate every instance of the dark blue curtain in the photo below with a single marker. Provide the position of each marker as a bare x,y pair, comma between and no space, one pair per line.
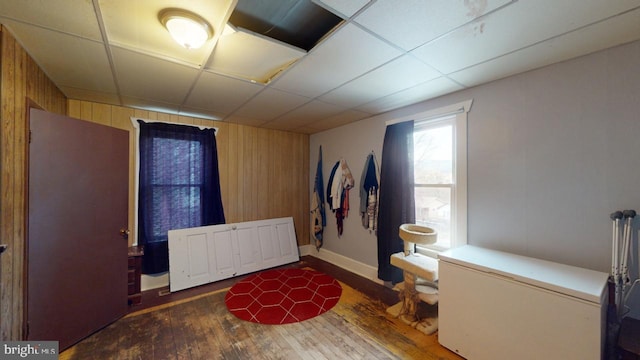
179,186
397,203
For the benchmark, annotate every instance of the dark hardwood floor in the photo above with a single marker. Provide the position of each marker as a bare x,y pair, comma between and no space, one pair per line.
195,324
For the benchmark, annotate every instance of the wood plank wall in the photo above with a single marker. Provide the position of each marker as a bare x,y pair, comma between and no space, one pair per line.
264,173
22,81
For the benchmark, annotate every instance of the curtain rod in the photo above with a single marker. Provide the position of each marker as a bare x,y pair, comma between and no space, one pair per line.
201,127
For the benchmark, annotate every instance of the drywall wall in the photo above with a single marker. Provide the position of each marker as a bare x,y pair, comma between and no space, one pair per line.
353,143
551,153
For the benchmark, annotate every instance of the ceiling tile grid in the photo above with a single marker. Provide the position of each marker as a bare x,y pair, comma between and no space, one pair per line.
348,53
337,120
619,30
146,77
91,69
343,8
220,93
517,26
427,90
385,54
399,74
270,104
411,23
251,56
73,18
305,115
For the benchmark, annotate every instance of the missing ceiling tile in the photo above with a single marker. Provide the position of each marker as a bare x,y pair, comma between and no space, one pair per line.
300,23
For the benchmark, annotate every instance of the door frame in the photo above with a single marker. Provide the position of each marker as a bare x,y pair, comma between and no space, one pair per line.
30,104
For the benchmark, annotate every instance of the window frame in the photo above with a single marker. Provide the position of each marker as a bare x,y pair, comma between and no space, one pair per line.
459,188
447,120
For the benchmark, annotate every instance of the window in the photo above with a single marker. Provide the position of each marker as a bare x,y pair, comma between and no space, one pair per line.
177,186
440,149
433,177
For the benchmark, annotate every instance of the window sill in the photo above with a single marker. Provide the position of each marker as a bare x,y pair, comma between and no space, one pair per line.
429,252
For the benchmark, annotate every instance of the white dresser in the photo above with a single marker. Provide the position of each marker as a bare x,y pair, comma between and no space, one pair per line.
495,305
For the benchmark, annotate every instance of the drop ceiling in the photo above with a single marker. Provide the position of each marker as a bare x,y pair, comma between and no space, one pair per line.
381,54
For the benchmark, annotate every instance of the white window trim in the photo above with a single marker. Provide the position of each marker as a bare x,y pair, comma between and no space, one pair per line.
460,172
461,107
136,181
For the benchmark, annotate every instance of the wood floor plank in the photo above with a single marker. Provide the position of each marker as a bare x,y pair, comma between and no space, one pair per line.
340,334
246,339
200,340
201,327
396,336
163,344
270,344
302,351
345,341
212,329
180,329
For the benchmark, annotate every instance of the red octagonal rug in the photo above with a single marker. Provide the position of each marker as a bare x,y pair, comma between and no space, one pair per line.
283,296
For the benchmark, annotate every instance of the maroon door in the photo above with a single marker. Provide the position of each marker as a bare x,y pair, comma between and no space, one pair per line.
76,257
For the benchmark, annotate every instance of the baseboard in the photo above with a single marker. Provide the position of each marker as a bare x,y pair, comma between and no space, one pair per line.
149,282
356,267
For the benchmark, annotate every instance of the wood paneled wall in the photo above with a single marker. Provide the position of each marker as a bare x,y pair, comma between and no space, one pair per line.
22,82
264,173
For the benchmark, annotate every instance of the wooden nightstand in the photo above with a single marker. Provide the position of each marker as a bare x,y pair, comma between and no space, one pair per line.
135,271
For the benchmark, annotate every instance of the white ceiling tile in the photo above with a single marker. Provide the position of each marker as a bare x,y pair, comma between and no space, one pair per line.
88,68
241,120
203,114
418,93
271,103
349,53
252,56
90,95
283,124
146,77
399,74
334,121
615,31
307,114
411,23
305,130
149,104
220,93
200,113
70,17
519,25
344,8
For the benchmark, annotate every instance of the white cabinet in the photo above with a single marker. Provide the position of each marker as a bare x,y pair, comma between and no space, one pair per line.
495,305
210,253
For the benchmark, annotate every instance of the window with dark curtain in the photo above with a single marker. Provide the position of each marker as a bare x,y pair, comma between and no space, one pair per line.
397,203
179,186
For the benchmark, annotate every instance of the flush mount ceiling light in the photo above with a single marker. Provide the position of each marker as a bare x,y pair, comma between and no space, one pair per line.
187,29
